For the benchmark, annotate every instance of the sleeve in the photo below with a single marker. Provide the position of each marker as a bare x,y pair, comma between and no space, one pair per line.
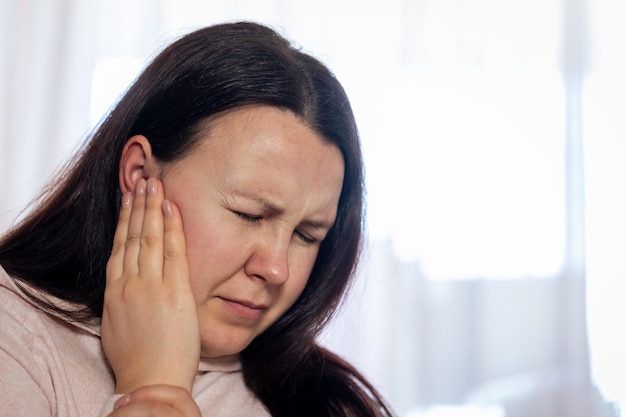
20,394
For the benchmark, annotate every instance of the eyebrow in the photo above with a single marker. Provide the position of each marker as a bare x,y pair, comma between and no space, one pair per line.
270,206
275,209
318,224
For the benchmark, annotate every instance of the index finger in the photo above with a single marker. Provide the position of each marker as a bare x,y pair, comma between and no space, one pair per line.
115,265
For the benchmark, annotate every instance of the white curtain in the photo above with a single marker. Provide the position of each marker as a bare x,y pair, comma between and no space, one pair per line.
494,143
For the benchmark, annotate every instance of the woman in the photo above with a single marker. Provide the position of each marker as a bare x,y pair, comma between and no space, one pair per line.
206,234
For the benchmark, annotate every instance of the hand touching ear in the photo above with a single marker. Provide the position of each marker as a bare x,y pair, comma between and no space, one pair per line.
150,331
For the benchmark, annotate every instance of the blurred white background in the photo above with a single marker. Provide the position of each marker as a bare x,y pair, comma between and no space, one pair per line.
495,145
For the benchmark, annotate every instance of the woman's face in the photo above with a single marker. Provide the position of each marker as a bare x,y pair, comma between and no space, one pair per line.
257,196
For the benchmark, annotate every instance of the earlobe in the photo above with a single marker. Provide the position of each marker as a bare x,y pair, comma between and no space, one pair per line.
136,162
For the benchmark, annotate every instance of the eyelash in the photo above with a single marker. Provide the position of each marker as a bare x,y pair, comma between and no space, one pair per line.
253,219
305,238
248,217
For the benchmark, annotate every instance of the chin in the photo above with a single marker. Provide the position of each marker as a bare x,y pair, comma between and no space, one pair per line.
216,347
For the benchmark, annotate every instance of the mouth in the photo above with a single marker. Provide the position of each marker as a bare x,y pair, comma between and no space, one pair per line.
244,308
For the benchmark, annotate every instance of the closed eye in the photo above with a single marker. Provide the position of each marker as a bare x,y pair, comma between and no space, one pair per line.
305,238
248,217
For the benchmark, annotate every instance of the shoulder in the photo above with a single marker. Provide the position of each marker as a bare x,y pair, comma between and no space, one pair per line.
22,370
28,328
27,332
20,320
48,358
32,334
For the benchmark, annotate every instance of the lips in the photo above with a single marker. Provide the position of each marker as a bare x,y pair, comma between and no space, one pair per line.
244,308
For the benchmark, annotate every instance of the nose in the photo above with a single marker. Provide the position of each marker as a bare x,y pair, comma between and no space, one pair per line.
270,261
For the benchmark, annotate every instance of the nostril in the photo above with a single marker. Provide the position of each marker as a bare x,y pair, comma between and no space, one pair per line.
269,258
272,269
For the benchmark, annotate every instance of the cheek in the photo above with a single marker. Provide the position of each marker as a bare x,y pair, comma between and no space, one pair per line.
299,272
205,232
213,252
299,287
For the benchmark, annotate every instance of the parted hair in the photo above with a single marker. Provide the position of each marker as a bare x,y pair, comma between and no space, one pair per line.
63,245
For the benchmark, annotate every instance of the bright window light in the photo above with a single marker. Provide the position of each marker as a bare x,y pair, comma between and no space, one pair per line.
458,411
110,78
466,175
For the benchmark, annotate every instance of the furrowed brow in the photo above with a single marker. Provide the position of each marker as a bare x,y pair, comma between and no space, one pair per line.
270,206
322,225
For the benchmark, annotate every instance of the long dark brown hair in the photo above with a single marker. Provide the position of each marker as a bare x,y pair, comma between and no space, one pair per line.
62,247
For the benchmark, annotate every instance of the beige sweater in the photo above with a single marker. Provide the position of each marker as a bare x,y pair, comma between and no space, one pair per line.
51,367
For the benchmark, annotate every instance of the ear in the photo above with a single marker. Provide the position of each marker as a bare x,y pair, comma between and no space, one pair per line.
136,162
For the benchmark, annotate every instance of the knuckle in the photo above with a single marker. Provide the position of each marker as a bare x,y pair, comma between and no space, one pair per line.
132,238
117,248
171,254
128,294
149,241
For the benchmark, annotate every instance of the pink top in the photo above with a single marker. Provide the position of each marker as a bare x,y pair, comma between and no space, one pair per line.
52,367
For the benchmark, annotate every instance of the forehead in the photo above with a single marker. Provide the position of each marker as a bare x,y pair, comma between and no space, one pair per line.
269,150
262,131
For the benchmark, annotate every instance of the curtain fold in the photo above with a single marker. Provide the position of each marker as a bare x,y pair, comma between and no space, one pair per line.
38,97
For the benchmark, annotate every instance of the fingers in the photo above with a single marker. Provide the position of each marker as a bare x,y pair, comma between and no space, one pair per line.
146,409
133,233
116,260
174,248
161,400
151,238
149,313
138,243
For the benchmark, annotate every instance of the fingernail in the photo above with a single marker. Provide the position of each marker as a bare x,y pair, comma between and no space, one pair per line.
152,185
140,188
126,198
167,208
122,401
